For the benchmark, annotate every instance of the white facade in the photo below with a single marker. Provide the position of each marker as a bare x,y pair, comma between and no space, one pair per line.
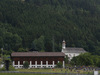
71,55
36,65
71,52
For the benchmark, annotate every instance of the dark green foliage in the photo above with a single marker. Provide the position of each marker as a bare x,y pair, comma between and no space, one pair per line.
7,65
59,65
3,69
26,64
86,59
38,44
11,68
66,60
22,50
23,22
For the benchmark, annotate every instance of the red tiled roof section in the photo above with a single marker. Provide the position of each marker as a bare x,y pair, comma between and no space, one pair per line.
23,54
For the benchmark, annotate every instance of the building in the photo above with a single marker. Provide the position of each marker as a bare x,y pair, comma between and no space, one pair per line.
37,59
71,51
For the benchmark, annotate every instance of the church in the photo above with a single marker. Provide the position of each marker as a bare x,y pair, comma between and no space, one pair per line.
71,51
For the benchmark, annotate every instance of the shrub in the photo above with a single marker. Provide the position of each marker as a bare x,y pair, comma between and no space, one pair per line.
59,65
11,68
26,64
3,69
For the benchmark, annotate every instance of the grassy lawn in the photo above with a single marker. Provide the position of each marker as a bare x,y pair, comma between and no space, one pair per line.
43,70
56,70
21,74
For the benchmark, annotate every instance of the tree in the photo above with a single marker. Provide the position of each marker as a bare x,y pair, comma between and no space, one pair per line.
38,44
83,59
16,42
22,50
98,64
96,60
1,42
12,41
11,68
59,65
77,21
26,64
7,65
66,60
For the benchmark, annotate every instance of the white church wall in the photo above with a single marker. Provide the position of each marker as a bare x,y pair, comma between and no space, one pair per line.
66,52
71,55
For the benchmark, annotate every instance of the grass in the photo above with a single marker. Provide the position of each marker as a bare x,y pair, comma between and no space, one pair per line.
56,70
21,74
43,70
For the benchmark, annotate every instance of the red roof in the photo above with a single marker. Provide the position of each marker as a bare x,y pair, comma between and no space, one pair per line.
27,54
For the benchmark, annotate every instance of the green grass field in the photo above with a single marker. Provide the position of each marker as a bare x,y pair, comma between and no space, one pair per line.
56,70
43,70
21,74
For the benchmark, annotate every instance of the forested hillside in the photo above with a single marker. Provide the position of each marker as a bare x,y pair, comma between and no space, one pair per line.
43,24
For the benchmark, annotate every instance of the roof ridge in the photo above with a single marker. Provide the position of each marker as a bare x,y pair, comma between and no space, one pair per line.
37,54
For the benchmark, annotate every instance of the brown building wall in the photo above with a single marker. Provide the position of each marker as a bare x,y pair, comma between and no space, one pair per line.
38,59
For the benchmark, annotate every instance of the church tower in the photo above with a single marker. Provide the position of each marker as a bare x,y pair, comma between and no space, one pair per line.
63,45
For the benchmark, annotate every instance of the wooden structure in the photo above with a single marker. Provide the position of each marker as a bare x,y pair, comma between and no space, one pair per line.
37,59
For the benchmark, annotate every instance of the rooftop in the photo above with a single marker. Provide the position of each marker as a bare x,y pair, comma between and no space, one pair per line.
73,50
27,54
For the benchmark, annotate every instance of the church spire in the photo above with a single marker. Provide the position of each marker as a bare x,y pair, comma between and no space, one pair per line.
63,44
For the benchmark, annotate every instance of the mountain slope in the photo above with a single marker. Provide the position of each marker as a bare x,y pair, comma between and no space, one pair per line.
76,21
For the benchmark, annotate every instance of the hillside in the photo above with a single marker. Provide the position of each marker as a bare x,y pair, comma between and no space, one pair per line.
43,24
